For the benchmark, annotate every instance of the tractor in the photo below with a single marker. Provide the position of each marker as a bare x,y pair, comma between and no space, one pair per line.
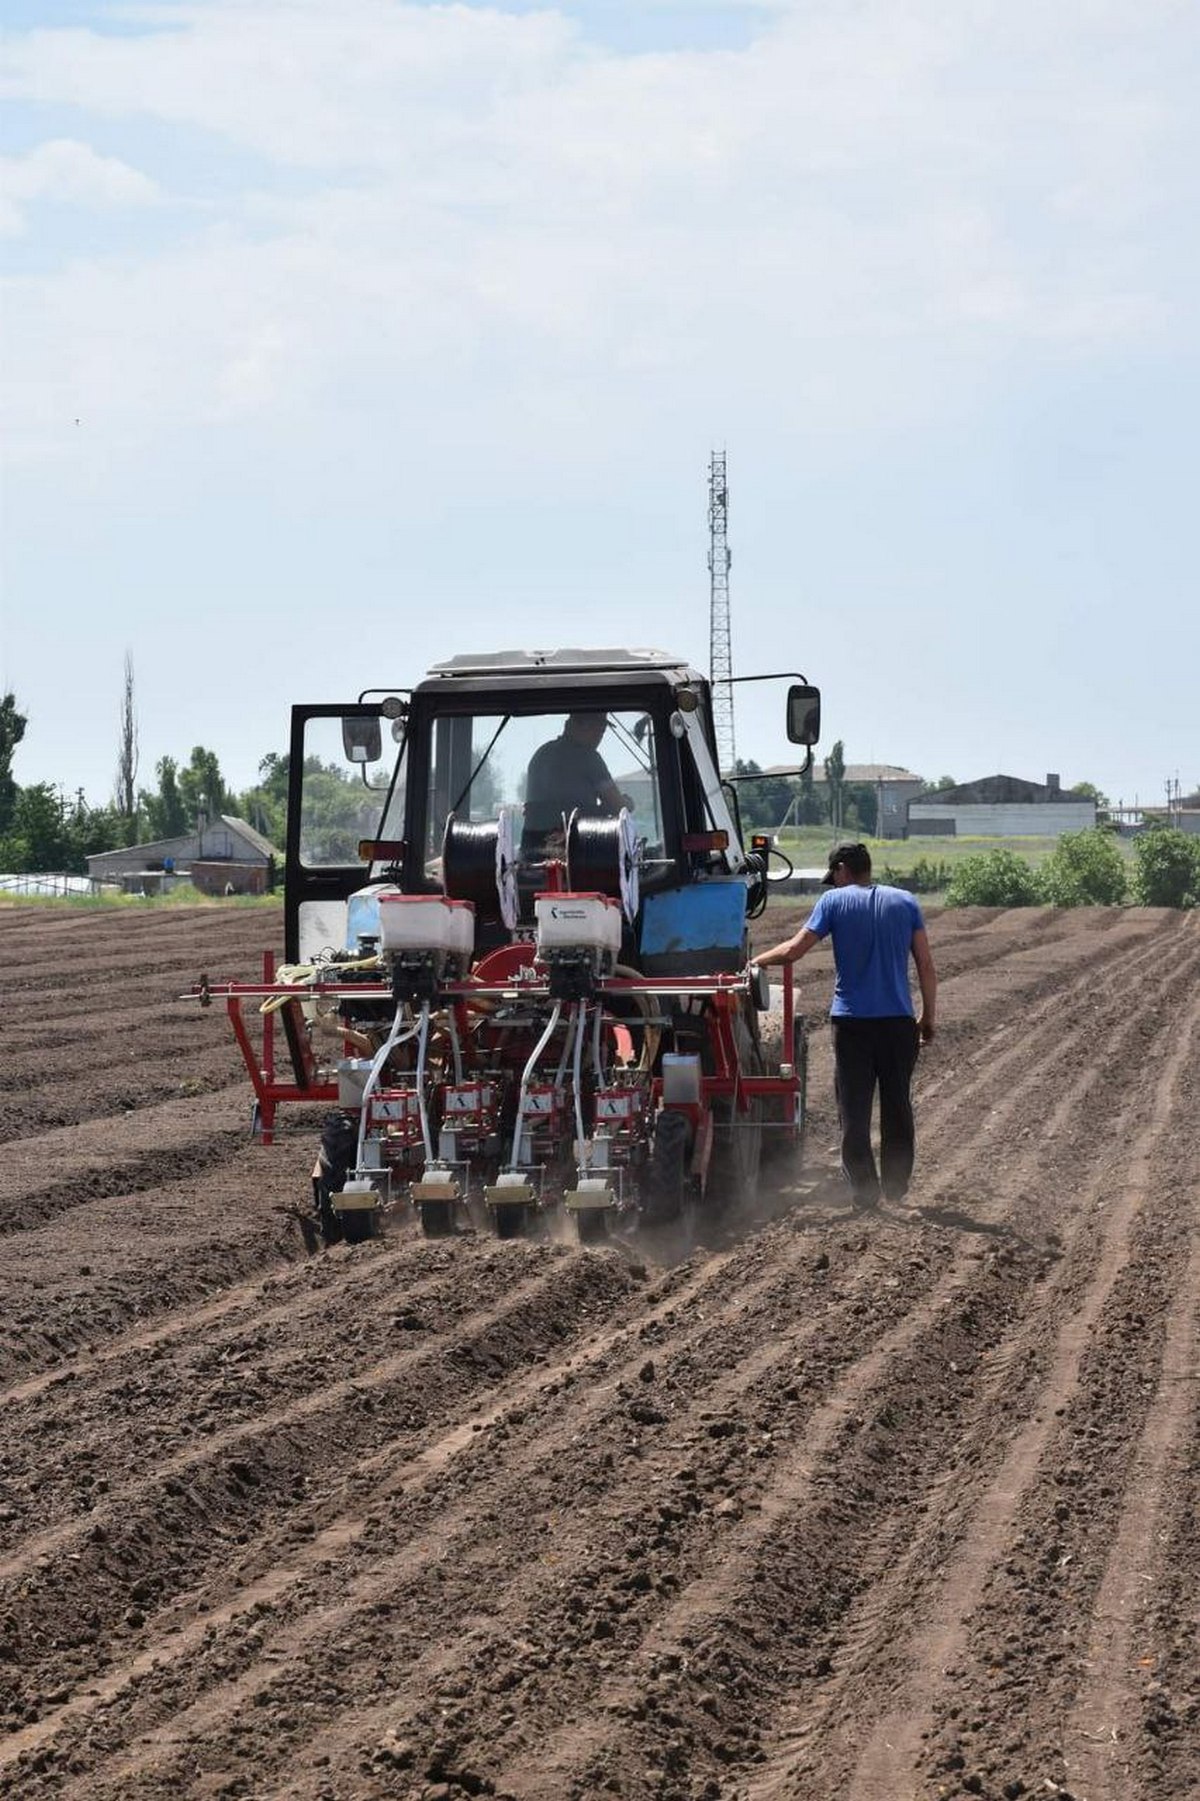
523,1006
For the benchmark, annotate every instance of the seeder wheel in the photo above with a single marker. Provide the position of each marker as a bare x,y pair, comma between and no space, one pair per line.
437,1218
591,1224
510,1220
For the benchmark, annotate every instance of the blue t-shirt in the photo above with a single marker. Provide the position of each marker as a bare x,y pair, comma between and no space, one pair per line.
872,931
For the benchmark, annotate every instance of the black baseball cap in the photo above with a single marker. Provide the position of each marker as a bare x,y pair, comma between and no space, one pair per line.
854,857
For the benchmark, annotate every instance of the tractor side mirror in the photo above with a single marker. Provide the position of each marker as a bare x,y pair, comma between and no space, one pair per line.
362,740
803,715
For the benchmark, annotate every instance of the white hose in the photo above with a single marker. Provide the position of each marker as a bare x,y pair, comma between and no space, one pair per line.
395,1036
455,1046
538,1048
577,1083
422,1109
568,1045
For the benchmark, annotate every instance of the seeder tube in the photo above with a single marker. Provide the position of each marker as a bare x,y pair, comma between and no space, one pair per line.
422,1108
585,1159
395,1036
539,1047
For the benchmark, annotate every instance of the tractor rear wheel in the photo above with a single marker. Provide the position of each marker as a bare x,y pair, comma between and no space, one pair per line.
733,1168
667,1171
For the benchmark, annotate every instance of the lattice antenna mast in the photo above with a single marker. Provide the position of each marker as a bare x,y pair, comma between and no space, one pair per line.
720,649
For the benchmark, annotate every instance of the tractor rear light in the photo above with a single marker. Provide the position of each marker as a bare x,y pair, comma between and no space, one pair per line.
701,841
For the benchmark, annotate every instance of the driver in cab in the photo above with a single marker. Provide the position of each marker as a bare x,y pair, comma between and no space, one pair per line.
568,774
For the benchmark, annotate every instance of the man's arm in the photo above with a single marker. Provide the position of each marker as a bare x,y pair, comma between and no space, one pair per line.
611,798
607,792
927,977
791,949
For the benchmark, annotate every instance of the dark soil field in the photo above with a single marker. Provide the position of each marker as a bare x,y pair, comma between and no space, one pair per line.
858,1506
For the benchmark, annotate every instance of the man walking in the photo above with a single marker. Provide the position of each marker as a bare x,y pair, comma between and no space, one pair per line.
875,1034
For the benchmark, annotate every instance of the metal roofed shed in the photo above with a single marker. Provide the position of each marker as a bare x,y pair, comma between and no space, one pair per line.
1000,806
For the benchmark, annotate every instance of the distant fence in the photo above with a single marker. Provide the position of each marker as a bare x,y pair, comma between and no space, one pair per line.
57,887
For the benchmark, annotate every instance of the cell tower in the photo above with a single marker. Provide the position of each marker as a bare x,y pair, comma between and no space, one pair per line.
720,649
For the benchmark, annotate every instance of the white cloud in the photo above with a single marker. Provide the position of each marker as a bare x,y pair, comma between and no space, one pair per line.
67,172
487,214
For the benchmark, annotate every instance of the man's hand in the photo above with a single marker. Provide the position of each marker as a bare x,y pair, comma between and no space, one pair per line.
926,1029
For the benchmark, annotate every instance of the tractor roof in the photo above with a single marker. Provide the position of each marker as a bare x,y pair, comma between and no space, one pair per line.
593,663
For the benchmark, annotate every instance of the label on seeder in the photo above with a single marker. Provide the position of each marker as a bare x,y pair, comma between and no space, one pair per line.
395,1105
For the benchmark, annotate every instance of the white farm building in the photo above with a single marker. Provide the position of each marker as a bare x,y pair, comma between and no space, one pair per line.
1000,806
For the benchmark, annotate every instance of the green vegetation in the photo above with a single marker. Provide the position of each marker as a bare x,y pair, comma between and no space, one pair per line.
1166,869
994,878
182,895
1086,869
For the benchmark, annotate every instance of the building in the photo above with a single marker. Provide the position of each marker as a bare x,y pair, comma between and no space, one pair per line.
1000,806
226,857
893,786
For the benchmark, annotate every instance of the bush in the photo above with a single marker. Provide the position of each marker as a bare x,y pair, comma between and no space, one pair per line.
925,876
994,878
1085,869
1166,869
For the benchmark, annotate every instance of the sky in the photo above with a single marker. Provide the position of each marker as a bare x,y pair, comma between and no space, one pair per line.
341,339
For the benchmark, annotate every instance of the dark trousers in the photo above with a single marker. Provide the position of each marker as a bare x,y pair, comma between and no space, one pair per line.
870,1053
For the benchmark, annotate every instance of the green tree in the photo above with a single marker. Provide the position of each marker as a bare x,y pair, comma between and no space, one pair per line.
1085,869
809,810
1166,868
994,878
763,801
12,730
127,750
202,787
835,779
37,841
164,811
1089,791
860,805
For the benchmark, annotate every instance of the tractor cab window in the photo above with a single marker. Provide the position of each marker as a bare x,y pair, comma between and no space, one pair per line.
342,802
542,765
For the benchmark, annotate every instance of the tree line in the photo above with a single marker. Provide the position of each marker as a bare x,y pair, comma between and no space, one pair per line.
44,827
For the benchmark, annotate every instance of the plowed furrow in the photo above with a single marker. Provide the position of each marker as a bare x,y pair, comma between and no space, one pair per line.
1123,1705
757,1367
945,1641
867,1504
180,1525
874,1648
291,1354
456,1595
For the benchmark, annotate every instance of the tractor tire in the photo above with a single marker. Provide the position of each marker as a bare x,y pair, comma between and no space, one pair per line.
339,1143
733,1169
328,1224
666,1180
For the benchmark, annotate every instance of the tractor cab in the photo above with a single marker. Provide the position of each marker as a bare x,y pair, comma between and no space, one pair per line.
475,784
